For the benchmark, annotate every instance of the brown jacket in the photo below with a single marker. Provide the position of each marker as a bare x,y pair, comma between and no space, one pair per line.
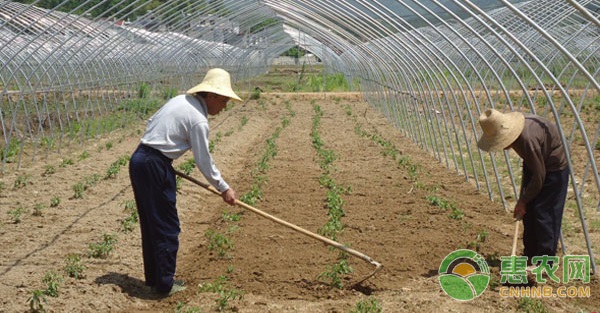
541,149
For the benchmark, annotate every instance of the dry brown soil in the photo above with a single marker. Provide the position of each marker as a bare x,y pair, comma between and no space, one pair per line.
387,217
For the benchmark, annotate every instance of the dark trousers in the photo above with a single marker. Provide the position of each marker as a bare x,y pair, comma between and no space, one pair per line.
543,216
153,181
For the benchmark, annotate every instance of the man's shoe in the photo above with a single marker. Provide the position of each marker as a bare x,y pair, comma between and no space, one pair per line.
178,286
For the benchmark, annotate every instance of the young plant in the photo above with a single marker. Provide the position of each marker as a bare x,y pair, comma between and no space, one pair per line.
84,155
37,209
73,266
333,274
103,248
16,214
52,281
79,190
49,170
369,305
37,300
218,242
66,162
54,202
221,287
127,224
21,181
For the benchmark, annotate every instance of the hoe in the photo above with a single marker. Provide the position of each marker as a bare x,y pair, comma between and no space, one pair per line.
325,240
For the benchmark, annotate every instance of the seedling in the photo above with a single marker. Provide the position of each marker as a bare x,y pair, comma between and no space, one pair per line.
102,249
52,281
66,162
218,242
37,300
221,287
84,155
78,190
21,181
49,170
16,214
231,217
37,209
369,305
74,268
128,223
333,274
182,308
54,202
456,214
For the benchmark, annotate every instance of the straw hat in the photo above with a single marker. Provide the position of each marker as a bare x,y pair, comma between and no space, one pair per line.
216,81
499,129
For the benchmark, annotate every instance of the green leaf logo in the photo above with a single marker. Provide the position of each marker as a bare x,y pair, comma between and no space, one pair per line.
464,275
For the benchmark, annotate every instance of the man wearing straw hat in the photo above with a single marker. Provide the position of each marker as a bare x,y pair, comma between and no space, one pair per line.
178,126
545,174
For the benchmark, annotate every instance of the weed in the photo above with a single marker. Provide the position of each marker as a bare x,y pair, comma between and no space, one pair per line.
244,120
37,300
52,281
108,145
103,248
370,305
73,266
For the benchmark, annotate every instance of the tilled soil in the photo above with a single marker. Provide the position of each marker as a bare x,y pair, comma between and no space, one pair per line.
386,199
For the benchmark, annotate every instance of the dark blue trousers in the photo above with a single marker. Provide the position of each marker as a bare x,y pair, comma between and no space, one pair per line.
153,181
543,216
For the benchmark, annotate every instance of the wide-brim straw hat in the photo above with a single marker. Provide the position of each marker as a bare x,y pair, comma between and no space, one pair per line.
499,129
216,81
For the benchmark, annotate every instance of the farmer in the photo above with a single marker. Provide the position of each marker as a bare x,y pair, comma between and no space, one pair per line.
545,174
178,126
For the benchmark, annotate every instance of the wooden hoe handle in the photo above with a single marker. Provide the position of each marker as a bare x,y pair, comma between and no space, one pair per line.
326,240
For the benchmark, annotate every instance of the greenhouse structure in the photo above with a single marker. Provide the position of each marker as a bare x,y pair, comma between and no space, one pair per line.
71,70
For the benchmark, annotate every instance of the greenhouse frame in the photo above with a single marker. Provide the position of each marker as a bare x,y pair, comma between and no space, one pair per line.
70,69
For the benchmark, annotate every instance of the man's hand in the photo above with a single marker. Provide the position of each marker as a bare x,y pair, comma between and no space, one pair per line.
229,196
520,210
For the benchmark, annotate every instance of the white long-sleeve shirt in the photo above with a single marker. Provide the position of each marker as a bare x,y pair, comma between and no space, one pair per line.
180,125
